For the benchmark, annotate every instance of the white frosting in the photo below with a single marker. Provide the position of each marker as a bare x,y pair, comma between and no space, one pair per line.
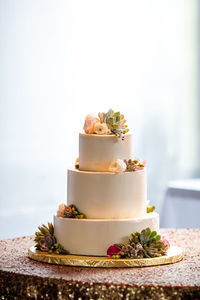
93,237
101,195
97,152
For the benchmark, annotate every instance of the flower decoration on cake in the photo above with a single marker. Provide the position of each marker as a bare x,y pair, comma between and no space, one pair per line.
90,122
101,128
166,242
141,245
108,123
69,211
114,251
46,241
135,165
77,163
117,166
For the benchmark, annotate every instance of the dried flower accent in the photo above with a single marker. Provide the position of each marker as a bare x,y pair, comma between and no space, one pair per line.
61,210
166,242
115,122
117,166
150,209
77,163
90,122
135,165
46,241
101,128
69,211
141,245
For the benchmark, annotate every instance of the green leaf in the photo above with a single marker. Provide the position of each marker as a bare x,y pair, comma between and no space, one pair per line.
117,118
153,233
117,114
157,237
119,245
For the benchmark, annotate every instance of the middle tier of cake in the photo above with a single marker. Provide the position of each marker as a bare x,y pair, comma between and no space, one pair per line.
103,195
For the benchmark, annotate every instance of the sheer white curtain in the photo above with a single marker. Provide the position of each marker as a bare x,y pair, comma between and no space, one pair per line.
60,60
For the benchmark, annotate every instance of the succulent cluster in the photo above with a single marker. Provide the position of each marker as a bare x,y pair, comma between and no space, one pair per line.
45,240
141,245
69,211
134,165
115,122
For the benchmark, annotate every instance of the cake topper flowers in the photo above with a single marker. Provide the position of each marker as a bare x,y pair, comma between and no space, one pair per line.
101,128
107,123
90,122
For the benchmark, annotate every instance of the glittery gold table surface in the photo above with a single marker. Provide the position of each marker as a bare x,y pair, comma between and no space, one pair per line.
23,278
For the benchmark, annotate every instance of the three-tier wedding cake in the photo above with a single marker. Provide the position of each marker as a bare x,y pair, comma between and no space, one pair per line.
107,186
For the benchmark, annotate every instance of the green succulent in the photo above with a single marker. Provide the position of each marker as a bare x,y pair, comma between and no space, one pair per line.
46,241
142,245
59,249
115,122
150,242
150,209
44,231
76,213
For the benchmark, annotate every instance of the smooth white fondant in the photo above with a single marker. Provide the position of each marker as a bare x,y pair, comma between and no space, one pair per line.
107,195
97,152
93,237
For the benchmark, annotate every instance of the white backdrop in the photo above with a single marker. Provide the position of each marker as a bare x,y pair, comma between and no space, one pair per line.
60,60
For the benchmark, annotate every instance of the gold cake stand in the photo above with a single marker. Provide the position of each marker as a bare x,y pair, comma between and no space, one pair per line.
174,255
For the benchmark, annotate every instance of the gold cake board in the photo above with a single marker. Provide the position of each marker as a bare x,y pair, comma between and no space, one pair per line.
174,255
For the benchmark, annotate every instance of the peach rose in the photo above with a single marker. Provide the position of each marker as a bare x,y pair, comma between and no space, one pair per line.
101,128
61,210
90,122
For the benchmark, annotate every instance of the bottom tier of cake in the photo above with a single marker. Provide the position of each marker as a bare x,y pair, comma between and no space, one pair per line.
94,236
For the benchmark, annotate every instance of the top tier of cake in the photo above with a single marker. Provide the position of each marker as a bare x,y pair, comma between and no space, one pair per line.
97,152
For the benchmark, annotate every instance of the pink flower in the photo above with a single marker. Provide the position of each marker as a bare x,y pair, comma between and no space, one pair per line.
113,250
90,122
166,242
141,164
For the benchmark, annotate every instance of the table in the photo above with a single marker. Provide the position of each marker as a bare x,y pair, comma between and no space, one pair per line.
23,278
181,205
